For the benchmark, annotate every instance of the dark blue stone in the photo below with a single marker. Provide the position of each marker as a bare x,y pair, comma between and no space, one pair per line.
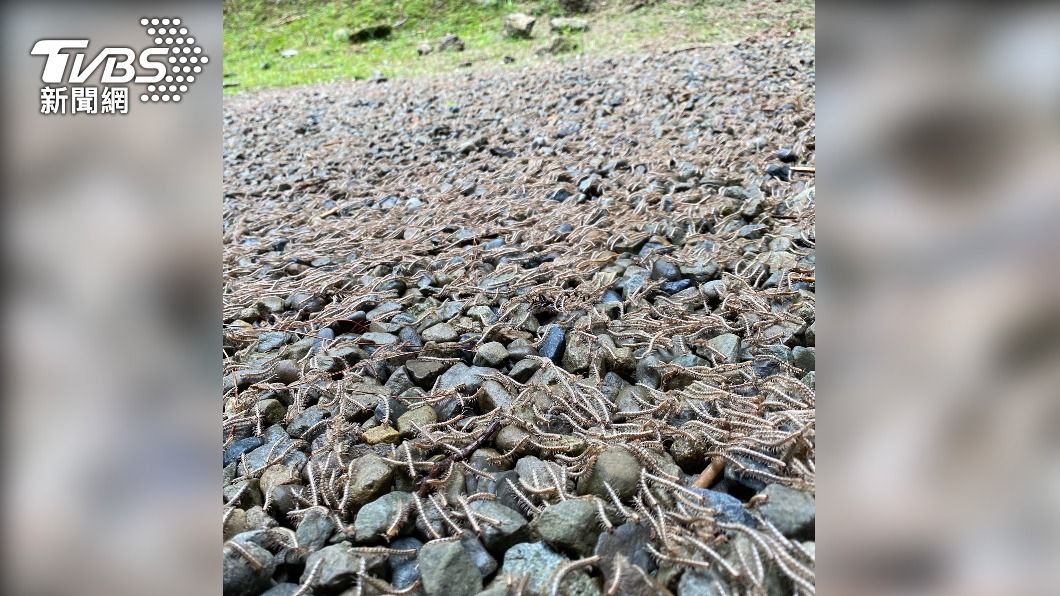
611,296
554,343
238,448
673,287
728,508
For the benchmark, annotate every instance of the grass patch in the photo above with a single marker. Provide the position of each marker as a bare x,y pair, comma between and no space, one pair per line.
257,33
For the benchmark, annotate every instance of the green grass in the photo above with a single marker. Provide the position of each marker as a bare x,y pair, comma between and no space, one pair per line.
257,31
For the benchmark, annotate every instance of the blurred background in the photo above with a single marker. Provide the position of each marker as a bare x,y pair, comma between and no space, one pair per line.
938,287
938,213
112,304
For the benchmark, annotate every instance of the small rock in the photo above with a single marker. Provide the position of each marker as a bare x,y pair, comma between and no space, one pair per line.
568,526
462,375
447,570
442,333
424,372
665,269
242,577
451,43
403,569
780,172
492,354
553,344
629,540
371,476
617,467
272,340
537,562
569,25
787,155
793,512
314,529
424,48
494,395
576,354
513,527
384,433
236,449
483,560
376,517
338,568
727,345
421,416
524,369
558,44
727,508
805,359
518,25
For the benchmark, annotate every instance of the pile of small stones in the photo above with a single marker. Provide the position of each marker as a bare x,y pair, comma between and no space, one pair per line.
543,331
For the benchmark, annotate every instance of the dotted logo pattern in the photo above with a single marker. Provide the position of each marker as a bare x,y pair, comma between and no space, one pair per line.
185,58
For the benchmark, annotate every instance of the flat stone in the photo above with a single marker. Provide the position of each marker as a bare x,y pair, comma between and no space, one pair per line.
513,526
494,395
384,433
576,354
441,333
518,25
314,529
727,508
628,540
538,562
422,416
371,476
338,568
726,344
383,310
462,375
376,517
617,467
448,570
568,526
524,369
492,354
424,372
403,569
805,359
793,512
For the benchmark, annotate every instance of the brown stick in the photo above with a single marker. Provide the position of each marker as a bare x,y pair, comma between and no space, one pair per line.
710,473
443,466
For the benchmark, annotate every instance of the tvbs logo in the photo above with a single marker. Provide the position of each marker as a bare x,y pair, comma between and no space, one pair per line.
166,69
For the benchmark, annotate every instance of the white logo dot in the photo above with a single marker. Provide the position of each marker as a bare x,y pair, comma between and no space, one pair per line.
150,87
191,40
205,59
176,98
185,50
169,78
143,21
154,98
183,88
198,50
165,21
198,69
183,30
150,30
183,59
158,40
143,97
169,40
154,21
180,78
180,40
193,59
165,98
172,59
191,78
176,21
172,30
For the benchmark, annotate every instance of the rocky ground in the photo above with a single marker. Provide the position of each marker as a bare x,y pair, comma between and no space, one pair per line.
544,331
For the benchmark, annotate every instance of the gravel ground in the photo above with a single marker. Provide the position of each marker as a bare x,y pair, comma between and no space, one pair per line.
539,331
